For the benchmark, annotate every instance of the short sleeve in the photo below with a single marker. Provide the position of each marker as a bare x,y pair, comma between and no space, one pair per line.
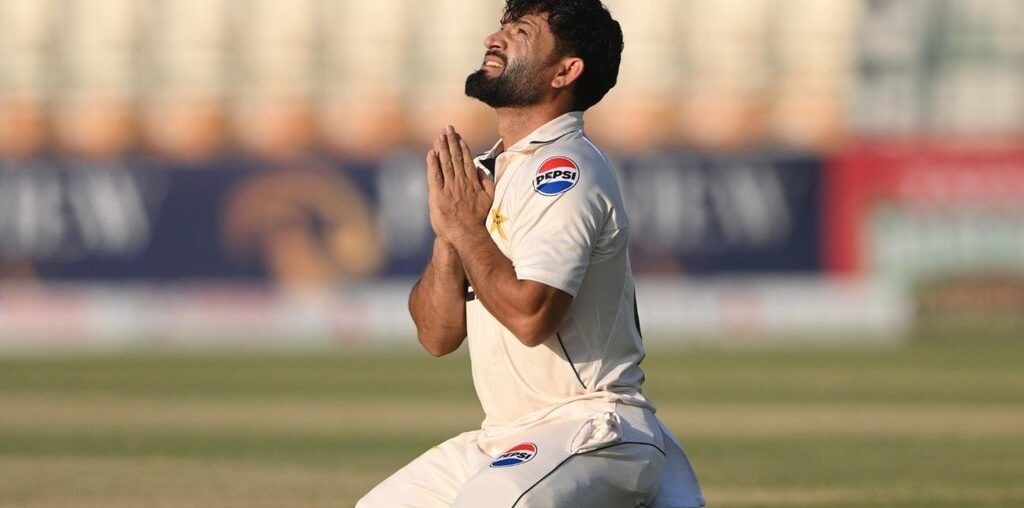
556,225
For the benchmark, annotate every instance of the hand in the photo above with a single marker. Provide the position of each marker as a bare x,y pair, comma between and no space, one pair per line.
435,182
459,196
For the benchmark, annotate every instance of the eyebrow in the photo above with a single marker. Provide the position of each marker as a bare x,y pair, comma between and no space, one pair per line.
527,22
521,21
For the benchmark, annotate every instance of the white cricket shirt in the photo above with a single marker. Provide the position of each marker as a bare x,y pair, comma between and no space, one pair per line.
558,215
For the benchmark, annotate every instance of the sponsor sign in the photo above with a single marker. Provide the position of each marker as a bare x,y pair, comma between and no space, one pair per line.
518,454
326,222
918,210
136,221
746,213
556,176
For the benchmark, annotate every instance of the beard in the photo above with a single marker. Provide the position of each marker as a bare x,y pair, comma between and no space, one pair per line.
516,87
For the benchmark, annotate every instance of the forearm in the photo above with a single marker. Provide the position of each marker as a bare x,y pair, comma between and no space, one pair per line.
524,307
437,302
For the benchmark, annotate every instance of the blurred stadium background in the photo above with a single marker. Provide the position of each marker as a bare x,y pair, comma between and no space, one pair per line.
827,200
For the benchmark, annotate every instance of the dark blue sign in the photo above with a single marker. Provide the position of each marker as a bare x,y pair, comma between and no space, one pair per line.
712,214
319,220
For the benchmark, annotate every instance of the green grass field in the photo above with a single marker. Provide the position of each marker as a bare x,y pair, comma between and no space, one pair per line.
922,426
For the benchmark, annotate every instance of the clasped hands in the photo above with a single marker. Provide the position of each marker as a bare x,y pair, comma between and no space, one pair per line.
459,195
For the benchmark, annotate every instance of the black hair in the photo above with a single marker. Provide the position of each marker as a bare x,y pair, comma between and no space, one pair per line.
584,29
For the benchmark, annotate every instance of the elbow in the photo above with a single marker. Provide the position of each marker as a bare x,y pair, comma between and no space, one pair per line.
438,340
439,345
435,350
539,314
533,332
538,327
532,341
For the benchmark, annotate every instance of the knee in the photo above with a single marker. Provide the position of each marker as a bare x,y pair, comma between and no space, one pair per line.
649,477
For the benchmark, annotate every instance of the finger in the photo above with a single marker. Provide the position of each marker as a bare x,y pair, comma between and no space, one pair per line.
488,186
441,147
467,165
434,179
458,162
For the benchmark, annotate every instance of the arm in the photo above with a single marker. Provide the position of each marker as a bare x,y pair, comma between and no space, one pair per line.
532,311
437,302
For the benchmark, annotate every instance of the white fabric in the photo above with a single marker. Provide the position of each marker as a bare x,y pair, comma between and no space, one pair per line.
574,241
679,487
433,479
596,432
594,454
576,396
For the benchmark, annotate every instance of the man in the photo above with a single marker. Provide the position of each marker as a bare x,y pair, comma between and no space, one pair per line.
533,268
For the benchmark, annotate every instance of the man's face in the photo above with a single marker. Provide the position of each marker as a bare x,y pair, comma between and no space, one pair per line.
517,67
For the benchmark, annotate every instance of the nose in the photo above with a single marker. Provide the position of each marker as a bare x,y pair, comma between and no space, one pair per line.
495,41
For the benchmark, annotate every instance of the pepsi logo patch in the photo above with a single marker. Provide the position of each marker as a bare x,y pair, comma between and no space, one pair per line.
516,455
556,176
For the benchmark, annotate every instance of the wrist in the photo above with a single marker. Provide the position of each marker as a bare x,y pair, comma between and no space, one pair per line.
443,247
464,238
445,254
441,242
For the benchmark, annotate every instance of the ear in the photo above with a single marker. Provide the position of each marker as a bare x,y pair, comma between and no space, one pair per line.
570,69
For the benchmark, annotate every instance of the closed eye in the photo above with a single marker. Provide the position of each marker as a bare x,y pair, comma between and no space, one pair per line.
516,28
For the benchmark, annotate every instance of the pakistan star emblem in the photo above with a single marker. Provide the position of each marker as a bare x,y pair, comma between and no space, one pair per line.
497,219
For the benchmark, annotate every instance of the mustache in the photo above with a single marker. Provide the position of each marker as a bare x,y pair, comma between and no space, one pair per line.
499,55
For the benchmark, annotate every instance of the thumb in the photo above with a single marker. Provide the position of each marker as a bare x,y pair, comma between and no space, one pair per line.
488,185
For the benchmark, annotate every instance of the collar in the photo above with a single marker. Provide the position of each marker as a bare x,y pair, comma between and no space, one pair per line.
544,135
549,132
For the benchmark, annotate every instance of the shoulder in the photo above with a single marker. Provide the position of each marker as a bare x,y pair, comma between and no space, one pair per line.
571,165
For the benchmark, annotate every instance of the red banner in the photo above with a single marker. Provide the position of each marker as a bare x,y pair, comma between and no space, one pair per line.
946,179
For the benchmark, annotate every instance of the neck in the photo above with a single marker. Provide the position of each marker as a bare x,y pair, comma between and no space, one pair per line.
514,124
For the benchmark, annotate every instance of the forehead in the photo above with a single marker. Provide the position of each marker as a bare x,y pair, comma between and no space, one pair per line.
538,18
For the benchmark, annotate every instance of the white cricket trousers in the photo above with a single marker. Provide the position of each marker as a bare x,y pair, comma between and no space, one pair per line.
611,459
